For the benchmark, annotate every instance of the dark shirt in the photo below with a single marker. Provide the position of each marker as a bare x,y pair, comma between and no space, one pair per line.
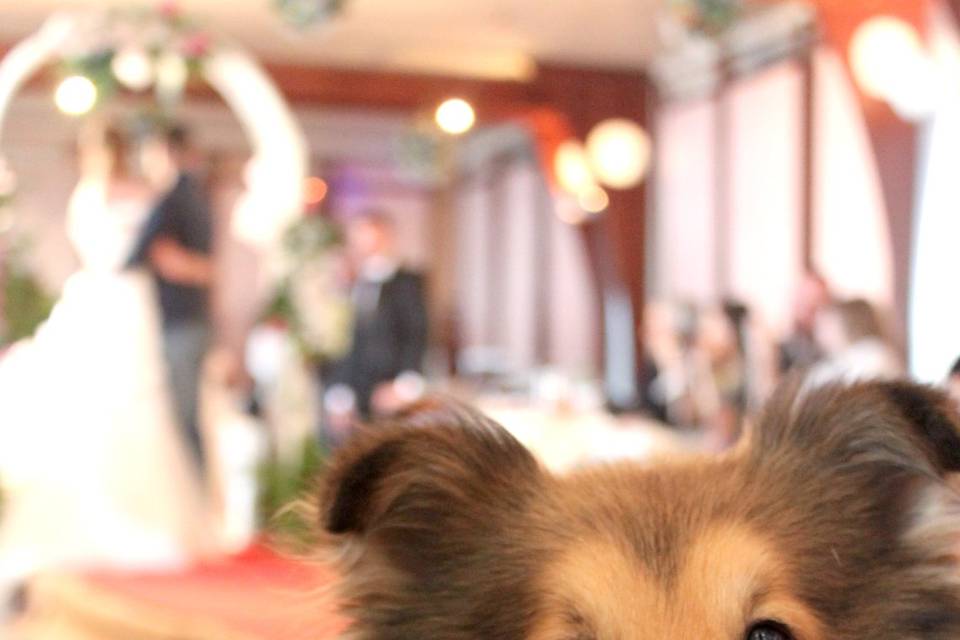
389,335
183,215
798,352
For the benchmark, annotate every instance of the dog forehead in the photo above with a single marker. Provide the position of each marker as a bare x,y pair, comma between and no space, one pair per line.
727,577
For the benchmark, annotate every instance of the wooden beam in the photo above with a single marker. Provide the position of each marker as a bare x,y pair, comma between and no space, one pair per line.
341,87
954,6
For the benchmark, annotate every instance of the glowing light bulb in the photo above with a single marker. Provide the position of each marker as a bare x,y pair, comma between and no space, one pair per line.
619,151
76,95
455,116
883,52
132,68
571,167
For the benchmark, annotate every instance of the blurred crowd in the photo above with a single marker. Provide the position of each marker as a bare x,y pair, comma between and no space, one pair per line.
711,367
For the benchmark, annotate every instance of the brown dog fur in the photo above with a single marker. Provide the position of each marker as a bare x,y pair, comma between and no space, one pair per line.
835,519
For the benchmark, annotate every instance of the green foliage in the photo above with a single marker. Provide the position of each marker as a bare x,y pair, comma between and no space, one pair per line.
96,67
709,16
161,33
308,299
307,13
284,487
26,304
310,237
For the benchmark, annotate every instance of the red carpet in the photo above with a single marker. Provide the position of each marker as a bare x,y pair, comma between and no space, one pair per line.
256,595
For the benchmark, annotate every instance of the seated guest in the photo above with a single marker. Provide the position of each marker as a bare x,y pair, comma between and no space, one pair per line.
721,380
850,334
800,350
661,374
382,370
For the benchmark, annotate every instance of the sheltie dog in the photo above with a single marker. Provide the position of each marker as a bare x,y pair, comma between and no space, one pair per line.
834,519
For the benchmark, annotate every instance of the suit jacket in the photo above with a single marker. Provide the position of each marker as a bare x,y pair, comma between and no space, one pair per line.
389,337
183,214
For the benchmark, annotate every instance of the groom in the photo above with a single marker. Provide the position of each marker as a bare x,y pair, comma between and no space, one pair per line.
175,245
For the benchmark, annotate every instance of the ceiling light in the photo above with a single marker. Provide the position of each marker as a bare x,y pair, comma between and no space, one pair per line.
132,68
881,51
571,167
455,116
76,95
619,151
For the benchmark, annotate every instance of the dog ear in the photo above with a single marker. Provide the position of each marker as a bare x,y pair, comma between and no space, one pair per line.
420,514
903,425
857,481
438,465
933,419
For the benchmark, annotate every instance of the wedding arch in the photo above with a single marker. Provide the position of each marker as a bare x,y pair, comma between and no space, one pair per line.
273,194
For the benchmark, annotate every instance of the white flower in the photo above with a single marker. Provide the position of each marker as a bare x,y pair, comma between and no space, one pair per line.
172,74
324,314
133,68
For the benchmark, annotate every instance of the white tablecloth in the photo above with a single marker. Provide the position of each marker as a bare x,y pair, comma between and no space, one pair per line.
564,440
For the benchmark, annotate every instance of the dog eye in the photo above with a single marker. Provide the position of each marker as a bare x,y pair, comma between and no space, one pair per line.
768,630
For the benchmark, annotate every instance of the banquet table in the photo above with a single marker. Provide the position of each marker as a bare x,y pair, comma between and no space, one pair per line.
565,439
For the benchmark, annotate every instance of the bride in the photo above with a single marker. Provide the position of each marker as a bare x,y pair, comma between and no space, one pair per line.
91,467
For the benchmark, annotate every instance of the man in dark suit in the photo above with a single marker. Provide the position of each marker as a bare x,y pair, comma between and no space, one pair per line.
383,369
175,245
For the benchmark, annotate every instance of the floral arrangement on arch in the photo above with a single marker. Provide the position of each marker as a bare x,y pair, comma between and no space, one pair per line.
24,301
138,48
312,301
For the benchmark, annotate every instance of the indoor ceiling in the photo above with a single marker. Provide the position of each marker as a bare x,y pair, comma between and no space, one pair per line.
479,37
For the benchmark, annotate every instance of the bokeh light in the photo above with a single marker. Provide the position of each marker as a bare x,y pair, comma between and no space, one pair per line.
76,95
456,116
883,52
314,190
132,68
572,168
619,152
593,200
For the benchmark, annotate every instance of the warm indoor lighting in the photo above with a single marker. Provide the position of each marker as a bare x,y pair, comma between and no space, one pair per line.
884,53
314,190
593,200
571,167
172,74
890,63
132,68
619,152
455,116
76,95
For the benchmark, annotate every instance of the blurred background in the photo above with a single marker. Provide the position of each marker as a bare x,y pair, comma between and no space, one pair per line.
231,232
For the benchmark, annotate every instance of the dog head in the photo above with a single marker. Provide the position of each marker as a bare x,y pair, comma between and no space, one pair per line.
834,520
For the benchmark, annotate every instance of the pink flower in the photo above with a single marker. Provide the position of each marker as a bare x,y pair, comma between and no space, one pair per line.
169,8
196,45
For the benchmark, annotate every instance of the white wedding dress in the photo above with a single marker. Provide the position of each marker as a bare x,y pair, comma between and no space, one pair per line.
92,467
